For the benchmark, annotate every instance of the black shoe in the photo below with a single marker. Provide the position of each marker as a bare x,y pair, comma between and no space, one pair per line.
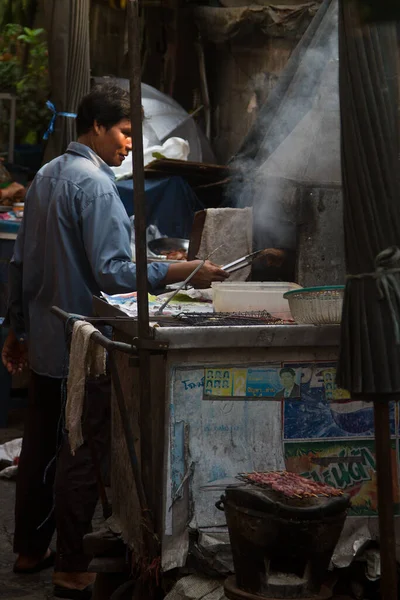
62,592
46,563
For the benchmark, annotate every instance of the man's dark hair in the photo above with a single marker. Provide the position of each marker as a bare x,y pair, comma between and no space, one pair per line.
107,103
287,370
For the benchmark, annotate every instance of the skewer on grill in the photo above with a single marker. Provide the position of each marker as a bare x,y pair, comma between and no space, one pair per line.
275,480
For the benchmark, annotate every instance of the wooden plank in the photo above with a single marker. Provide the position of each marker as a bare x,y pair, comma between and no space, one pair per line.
197,232
125,502
187,165
198,173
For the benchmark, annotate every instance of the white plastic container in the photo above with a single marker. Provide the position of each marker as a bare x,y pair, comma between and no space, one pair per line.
252,296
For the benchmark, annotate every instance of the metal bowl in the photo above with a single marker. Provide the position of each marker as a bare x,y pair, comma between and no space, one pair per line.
161,245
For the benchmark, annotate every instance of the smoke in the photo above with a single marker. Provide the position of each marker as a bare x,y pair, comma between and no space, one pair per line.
296,140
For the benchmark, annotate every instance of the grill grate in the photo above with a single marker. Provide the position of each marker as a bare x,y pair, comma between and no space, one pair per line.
227,319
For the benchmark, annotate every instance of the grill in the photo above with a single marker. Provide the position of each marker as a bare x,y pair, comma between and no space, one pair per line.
225,319
281,545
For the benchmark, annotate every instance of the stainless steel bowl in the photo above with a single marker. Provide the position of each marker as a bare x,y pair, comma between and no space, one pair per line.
161,245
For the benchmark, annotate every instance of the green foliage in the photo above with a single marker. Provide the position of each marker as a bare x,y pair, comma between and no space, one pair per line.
24,71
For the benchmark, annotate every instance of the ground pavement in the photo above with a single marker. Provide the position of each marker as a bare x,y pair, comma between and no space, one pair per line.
15,587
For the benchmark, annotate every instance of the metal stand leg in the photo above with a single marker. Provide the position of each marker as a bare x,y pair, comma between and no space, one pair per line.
383,453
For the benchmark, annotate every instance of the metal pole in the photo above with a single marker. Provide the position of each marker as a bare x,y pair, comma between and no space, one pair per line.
383,452
139,201
141,252
13,117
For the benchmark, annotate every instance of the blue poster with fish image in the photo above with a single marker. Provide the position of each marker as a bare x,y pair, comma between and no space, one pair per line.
324,410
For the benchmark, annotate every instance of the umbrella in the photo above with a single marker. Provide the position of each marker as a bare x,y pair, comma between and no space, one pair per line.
370,337
67,25
164,116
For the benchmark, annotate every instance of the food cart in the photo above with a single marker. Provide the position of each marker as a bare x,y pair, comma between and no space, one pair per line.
217,408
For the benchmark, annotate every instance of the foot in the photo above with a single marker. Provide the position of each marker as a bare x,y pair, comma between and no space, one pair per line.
73,581
26,561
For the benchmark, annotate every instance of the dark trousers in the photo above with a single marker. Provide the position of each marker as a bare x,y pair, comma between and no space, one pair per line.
64,496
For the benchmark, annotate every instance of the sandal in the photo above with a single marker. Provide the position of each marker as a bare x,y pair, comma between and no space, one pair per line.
46,563
71,594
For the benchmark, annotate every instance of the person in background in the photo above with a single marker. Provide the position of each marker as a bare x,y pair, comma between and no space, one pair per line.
74,242
10,191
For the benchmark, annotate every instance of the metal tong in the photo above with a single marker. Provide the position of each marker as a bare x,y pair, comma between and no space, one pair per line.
240,263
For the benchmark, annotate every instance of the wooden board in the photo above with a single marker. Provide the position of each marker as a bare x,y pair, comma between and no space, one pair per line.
195,173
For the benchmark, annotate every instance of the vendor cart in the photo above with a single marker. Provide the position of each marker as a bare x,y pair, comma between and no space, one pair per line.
218,408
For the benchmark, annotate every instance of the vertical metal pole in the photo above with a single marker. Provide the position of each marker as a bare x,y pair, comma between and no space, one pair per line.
383,452
11,142
141,250
139,201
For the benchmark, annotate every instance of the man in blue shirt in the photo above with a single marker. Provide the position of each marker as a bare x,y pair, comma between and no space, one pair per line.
73,243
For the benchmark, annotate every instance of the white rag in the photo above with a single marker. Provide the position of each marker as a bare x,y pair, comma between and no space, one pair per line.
232,227
86,358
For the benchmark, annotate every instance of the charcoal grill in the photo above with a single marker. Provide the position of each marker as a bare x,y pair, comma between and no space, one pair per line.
194,319
281,545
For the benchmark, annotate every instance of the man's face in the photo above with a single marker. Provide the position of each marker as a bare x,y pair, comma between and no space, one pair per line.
114,144
287,380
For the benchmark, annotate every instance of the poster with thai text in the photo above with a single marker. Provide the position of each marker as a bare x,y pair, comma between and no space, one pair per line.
348,465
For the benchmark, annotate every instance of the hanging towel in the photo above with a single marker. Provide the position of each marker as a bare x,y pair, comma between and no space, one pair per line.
86,358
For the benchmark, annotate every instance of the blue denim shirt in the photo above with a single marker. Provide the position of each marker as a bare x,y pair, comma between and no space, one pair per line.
74,241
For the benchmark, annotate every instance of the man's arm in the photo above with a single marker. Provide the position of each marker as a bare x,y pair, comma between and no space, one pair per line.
106,233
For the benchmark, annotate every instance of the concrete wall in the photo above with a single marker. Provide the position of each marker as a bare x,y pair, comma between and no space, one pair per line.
241,75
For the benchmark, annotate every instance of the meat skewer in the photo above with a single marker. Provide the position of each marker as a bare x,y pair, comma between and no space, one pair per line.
291,484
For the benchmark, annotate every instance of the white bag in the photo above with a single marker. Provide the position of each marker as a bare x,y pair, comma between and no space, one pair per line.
175,148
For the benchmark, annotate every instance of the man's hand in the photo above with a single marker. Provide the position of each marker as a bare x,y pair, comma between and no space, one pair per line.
207,274
203,278
14,354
